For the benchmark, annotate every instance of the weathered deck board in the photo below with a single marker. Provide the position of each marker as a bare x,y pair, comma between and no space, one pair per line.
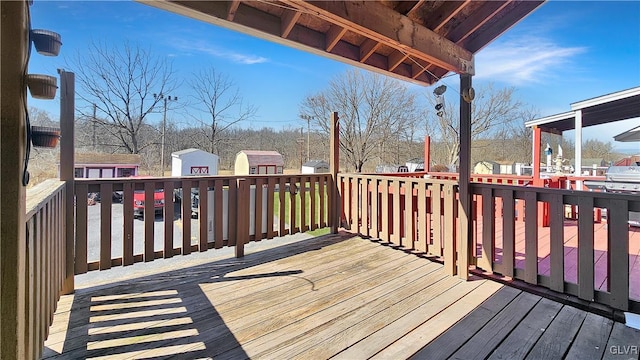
333,296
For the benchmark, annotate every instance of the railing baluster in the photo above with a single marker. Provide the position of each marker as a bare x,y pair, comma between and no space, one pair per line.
508,232
313,223
270,200
282,231
293,189
232,212
397,211
82,193
385,212
258,235
106,190
127,233
488,230
375,211
556,218
218,196
409,224
321,190
186,218
423,226
364,207
449,230
203,214
531,237
242,218
436,218
168,215
149,220
585,248
618,245
303,204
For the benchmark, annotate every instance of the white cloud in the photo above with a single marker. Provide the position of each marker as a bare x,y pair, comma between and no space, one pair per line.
525,60
202,47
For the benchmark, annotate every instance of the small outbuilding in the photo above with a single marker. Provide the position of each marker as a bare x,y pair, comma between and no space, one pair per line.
486,167
193,162
97,165
258,162
315,167
415,165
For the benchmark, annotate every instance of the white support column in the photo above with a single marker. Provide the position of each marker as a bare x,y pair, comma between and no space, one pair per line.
578,142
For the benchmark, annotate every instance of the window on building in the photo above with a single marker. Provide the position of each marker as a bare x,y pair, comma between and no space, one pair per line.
78,172
252,170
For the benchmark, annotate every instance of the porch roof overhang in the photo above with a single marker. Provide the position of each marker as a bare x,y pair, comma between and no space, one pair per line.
621,105
419,41
631,135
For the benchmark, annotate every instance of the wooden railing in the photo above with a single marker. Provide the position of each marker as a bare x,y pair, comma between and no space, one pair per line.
232,211
584,256
575,255
415,213
45,261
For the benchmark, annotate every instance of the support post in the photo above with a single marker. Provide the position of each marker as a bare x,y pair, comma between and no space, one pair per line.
67,106
464,186
242,218
334,164
535,163
578,144
14,45
427,153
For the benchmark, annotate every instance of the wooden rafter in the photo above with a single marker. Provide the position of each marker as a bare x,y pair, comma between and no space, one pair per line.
333,36
367,48
380,23
233,7
289,19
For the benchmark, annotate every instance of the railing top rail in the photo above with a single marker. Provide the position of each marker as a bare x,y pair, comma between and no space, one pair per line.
403,178
40,194
190,178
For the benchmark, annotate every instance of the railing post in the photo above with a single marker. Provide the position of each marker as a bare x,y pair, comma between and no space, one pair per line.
242,219
465,172
335,209
67,107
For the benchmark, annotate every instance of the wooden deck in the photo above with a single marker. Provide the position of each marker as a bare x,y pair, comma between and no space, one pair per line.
332,296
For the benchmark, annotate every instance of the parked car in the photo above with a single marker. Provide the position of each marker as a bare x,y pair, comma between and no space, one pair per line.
138,202
116,197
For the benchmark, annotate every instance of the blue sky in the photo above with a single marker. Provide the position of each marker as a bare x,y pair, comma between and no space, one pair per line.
564,52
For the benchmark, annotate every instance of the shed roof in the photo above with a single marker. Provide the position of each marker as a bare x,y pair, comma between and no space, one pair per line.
418,41
316,163
101,158
631,135
189,151
263,157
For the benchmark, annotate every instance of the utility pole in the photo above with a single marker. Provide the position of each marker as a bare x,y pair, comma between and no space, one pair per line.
300,141
164,126
308,118
93,137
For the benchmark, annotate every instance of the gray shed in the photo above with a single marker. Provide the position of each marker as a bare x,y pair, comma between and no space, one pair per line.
315,167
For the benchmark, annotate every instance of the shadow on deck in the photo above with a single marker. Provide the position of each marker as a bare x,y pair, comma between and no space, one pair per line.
330,296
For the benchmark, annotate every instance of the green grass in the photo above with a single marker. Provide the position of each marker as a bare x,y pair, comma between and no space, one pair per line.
298,221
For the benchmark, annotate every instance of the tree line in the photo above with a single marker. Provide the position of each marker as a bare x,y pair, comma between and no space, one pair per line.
382,120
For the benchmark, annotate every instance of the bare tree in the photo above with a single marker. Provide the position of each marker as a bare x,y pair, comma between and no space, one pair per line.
121,81
373,109
218,97
491,110
593,148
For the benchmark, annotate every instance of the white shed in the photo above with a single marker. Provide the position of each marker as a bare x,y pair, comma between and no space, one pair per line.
193,162
315,167
258,162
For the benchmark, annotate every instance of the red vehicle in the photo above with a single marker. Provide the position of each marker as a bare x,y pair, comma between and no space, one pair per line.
138,202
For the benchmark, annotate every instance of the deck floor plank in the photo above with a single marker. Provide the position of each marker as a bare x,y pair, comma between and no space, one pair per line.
624,343
527,333
491,335
449,342
591,341
557,339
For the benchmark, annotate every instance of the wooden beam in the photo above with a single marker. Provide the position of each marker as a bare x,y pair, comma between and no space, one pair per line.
231,10
367,48
448,10
334,35
384,25
289,19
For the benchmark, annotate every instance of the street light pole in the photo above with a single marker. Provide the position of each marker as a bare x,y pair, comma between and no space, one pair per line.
164,126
